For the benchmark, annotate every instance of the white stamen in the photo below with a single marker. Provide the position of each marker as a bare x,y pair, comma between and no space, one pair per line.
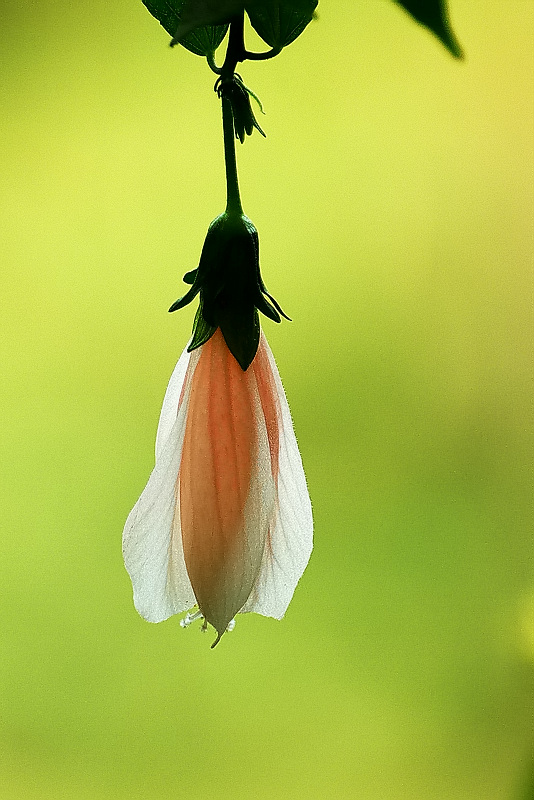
189,618
230,626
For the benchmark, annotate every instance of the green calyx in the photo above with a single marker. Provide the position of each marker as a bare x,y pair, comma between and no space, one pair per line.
231,288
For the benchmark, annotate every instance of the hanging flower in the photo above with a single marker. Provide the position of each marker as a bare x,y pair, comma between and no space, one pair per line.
225,519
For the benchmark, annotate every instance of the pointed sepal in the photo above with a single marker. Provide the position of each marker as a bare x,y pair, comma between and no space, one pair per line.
202,331
189,277
186,299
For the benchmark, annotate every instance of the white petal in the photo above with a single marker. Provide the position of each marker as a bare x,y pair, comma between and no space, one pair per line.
291,536
260,508
153,556
169,408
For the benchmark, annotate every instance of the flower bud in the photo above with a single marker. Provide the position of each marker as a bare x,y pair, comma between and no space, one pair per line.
235,91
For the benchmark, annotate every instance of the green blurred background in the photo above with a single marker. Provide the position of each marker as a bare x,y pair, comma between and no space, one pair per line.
394,201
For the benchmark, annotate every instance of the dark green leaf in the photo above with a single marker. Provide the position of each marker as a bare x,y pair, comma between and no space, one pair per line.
433,14
184,23
279,22
203,23
167,12
203,41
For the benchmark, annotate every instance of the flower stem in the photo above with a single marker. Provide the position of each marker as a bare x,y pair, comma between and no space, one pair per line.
234,54
233,200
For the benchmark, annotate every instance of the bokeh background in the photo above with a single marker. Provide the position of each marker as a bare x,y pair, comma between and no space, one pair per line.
394,201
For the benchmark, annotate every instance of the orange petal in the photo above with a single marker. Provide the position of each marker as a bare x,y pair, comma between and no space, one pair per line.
223,533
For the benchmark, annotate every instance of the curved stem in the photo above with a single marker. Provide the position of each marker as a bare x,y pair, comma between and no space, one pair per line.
210,58
261,56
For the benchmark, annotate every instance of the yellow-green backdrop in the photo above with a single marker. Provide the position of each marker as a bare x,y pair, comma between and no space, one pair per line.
393,196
